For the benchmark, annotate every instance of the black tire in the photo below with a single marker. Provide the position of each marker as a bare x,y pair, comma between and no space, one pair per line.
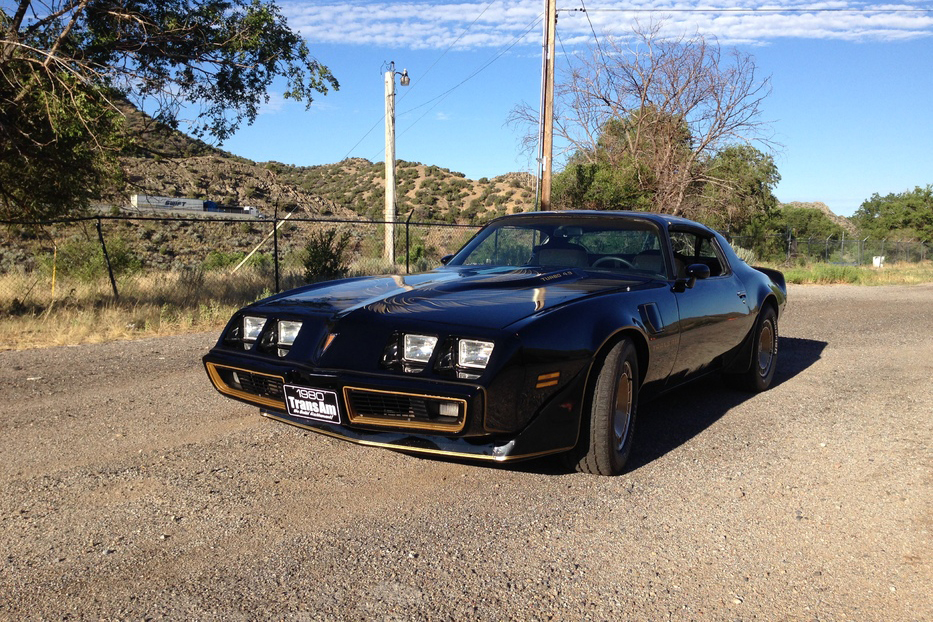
606,439
764,352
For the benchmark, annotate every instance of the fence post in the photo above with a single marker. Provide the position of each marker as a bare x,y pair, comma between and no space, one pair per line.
408,242
103,246
275,245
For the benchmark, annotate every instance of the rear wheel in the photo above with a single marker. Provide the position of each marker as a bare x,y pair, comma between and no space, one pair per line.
606,441
764,351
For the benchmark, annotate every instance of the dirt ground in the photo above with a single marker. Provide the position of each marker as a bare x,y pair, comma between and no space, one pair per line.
130,489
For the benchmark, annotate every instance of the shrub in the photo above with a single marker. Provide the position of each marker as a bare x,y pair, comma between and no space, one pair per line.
218,260
323,255
83,259
745,254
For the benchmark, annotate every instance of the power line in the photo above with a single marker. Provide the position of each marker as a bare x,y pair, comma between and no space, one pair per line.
593,30
745,10
421,76
449,47
444,95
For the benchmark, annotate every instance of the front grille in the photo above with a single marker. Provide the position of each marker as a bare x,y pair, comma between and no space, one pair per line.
405,410
262,389
257,384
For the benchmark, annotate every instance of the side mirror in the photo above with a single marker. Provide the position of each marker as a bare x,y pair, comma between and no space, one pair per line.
697,271
446,260
694,271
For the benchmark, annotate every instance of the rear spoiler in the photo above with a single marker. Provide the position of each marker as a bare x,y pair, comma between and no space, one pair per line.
775,275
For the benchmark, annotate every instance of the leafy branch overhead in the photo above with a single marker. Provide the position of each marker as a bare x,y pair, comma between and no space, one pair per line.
66,65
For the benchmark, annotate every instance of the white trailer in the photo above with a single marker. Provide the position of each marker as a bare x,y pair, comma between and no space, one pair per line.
148,201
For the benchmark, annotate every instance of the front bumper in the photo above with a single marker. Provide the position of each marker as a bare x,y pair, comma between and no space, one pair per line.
408,414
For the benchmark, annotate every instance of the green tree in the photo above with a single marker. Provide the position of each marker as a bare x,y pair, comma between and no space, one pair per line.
728,190
906,214
737,187
324,255
644,116
66,67
805,222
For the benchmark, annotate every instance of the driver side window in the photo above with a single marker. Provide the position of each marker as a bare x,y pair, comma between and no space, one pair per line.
692,247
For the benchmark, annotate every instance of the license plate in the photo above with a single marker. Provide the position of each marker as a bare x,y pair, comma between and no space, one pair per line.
309,403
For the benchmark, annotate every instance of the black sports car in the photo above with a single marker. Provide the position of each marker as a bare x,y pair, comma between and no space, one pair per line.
540,336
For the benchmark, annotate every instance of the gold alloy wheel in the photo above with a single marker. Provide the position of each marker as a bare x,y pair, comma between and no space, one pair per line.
766,348
622,416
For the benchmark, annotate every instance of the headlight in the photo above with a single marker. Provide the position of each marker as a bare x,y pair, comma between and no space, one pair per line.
287,332
418,348
252,326
474,354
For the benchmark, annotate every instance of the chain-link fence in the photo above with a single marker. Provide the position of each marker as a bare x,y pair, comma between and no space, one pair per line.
174,260
836,250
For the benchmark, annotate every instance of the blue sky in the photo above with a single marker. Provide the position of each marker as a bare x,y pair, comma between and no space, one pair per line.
851,105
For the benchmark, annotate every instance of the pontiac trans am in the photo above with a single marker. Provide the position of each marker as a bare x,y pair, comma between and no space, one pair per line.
540,336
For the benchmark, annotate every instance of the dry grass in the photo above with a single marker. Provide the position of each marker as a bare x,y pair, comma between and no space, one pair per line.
900,273
32,315
156,304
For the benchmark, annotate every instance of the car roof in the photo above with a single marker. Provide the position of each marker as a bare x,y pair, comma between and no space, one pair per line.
658,219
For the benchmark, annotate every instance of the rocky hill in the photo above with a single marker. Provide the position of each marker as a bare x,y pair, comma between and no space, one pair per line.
165,162
842,221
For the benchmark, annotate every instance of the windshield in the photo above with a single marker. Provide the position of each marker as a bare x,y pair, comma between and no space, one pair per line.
612,244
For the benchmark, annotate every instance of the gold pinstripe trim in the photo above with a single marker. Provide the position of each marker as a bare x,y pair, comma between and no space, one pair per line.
420,450
226,389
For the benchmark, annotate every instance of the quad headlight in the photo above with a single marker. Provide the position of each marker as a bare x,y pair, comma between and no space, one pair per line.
252,327
418,348
287,333
274,336
474,354
454,356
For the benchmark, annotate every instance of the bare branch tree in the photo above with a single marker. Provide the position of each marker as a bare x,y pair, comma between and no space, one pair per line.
663,107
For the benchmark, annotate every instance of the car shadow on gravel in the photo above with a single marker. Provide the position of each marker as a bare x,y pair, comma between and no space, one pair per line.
671,420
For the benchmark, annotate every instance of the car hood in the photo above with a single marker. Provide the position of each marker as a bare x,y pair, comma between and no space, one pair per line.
474,296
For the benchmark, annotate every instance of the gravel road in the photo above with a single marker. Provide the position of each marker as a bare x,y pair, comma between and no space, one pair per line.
132,490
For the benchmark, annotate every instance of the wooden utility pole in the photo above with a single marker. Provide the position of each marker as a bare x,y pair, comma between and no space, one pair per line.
389,218
547,100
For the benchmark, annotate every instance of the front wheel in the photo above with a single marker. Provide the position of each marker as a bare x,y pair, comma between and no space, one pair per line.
606,441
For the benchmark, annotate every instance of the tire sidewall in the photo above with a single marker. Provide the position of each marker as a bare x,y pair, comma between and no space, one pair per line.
757,380
603,457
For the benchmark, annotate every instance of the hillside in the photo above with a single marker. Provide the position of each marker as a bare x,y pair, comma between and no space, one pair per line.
847,225
166,162
348,190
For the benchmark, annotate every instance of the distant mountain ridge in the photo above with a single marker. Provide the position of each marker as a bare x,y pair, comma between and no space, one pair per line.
166,162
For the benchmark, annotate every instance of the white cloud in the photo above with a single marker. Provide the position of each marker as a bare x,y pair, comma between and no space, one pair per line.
442,116
437,25
275,104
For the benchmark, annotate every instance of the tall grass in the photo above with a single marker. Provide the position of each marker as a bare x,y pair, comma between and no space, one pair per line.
163,303
891,274
152,304
35,312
